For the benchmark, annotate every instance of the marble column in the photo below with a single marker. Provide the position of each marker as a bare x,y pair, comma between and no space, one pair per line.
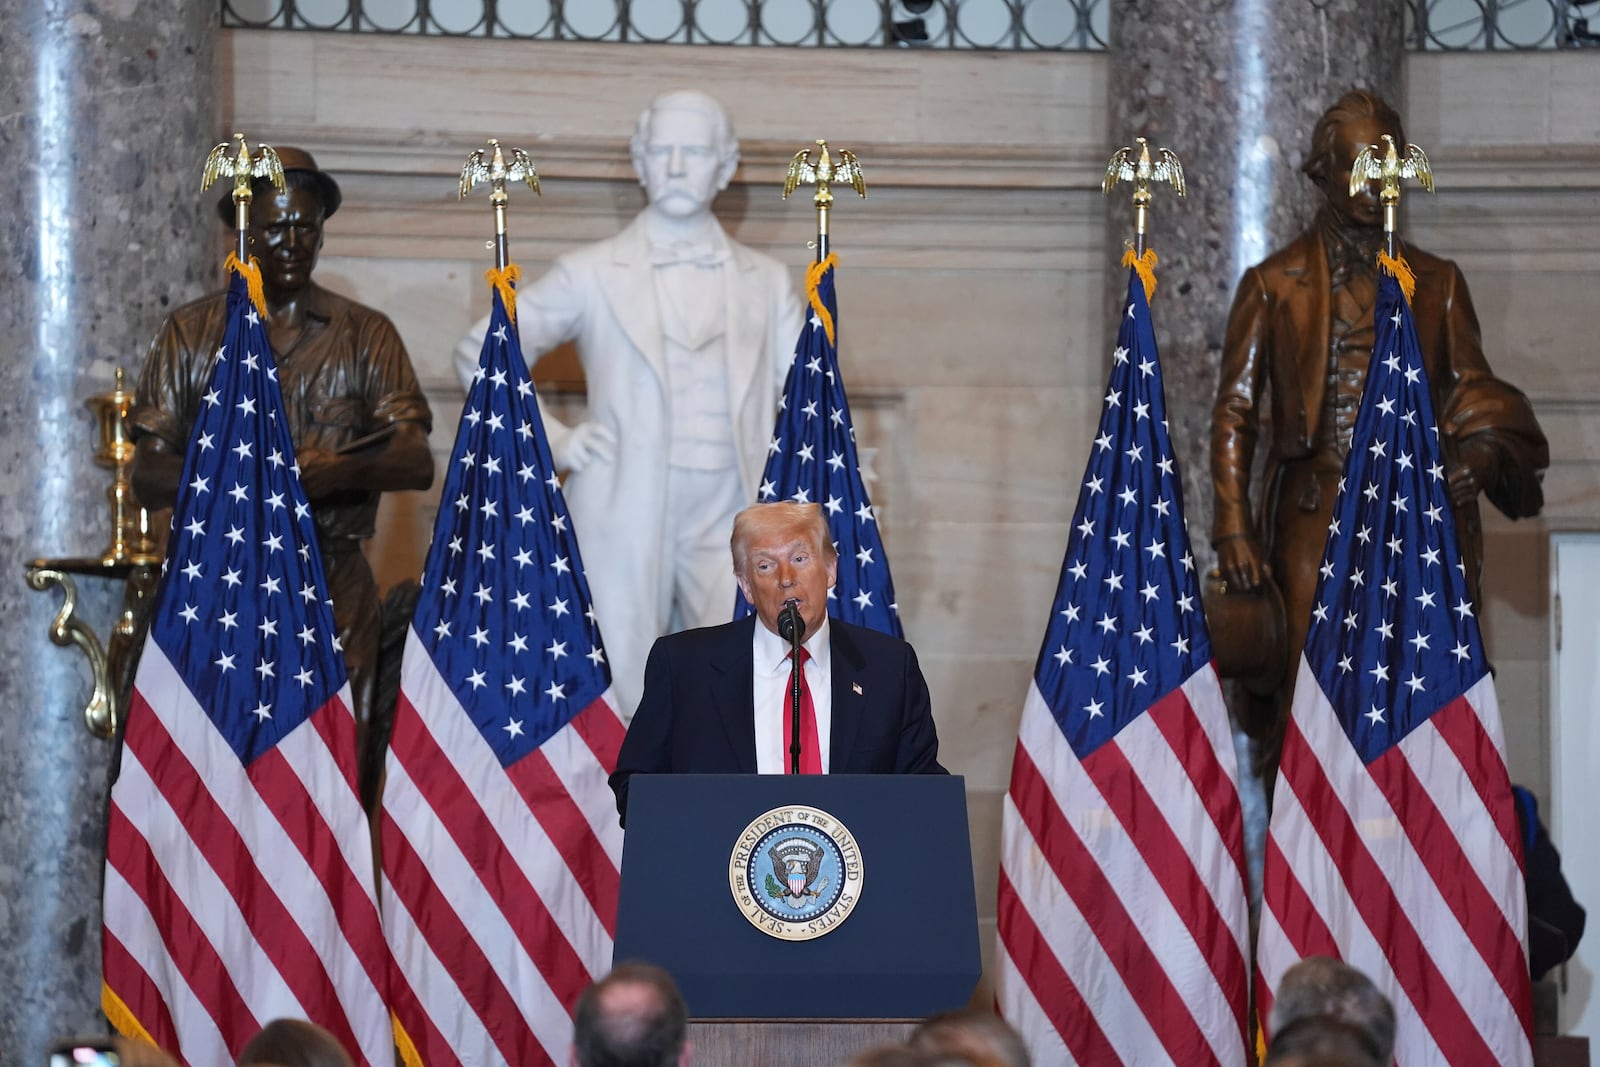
110,108
1234,87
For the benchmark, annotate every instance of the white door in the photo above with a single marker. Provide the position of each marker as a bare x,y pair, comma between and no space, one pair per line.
1575,760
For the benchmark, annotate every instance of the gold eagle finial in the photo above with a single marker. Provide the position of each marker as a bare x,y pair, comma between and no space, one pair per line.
1375,163
496,171
824,172
1133,164
243,168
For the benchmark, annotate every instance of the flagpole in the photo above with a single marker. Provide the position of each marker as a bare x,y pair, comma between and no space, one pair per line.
802,171
498,173
243,167
1133,163
822,173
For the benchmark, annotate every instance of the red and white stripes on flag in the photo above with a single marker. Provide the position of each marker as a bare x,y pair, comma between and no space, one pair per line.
1125,923
500,838
233,899
500,884
1433,915
1122,914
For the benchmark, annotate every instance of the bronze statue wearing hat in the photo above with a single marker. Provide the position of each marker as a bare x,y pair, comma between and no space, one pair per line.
1295,358
357,415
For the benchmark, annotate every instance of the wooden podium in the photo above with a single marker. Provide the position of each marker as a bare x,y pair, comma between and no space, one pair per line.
792,1042
907,949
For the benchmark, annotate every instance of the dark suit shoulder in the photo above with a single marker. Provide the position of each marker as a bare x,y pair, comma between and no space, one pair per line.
871,644
706,640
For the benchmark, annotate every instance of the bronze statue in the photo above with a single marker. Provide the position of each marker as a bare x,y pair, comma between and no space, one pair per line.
1299,338
357,415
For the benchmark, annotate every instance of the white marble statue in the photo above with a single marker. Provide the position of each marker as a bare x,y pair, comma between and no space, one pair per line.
685,336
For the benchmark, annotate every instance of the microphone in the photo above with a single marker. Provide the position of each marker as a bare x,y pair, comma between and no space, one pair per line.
791,627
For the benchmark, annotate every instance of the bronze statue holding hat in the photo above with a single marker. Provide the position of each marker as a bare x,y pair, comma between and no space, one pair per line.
358,417
1294,360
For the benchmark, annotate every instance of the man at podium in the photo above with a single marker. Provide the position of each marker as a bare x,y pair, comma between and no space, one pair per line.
717,700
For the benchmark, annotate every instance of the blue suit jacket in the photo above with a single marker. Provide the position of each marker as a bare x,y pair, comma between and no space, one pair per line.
696,715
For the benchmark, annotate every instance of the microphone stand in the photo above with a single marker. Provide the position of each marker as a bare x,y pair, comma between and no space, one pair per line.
792,627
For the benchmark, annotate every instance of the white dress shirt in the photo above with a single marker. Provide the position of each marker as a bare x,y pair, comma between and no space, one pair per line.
770,695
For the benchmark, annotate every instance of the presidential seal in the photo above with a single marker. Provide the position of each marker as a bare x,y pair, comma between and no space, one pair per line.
795,873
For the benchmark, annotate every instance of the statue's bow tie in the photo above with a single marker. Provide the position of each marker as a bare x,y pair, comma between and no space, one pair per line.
701,254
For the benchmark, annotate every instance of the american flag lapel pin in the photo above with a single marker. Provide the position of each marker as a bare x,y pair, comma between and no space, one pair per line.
855,687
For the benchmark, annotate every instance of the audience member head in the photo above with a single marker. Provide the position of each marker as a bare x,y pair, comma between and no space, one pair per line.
633,1017
982,1036
782,551
1321,985
1323,1041
293,1043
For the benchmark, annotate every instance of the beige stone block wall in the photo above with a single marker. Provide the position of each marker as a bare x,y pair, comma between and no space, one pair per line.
1515,142
972,289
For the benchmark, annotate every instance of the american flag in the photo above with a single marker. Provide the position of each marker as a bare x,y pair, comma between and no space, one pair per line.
500,839
238,862
1122,913
812,459
1393,840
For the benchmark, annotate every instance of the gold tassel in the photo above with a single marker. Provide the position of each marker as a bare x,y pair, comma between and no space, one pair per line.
814,275
1146,266
403,1043
121,1016
1400,270
251,272
505,282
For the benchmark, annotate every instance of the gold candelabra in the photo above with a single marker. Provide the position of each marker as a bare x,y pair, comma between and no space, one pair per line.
132,540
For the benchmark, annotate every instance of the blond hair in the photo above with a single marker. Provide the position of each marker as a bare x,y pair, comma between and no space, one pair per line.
805,519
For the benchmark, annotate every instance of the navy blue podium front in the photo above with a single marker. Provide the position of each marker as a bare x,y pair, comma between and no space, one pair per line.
907,949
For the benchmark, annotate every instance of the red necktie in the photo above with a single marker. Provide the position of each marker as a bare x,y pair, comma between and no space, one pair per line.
810,747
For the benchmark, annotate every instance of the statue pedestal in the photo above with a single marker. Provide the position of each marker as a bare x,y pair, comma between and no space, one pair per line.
1552,1051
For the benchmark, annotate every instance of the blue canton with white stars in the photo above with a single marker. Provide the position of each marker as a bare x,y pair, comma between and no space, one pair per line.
1127,626
812,460
243,611
505,609
1393,637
